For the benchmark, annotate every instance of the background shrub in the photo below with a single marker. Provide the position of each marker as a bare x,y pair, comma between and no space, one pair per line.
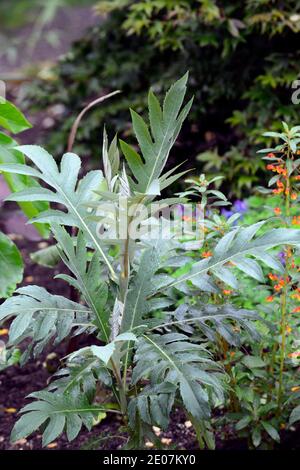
241,57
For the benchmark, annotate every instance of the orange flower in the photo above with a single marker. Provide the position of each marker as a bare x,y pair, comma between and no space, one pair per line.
270,298
271,155
206,254
294,196
277,211
294,355
272,277
280,187
296,220
288,329
271,167
280,285
296,296
296,310
227,291
297,178
282,171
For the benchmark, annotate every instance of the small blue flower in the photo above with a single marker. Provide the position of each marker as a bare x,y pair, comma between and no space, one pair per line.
240,206
226,213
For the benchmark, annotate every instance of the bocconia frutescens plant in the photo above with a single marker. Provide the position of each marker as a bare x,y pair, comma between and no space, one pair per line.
150,363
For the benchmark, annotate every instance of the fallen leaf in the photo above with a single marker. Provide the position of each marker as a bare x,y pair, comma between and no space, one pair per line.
10,410
42,245
52,445
14,237
166,441
149,444
156,430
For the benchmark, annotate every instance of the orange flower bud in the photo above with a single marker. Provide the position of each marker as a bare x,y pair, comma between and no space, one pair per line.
277,211
272,277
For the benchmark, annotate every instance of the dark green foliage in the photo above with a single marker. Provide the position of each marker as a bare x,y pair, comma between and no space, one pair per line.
241,57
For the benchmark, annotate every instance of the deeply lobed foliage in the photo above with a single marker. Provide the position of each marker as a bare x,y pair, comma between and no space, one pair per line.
151,351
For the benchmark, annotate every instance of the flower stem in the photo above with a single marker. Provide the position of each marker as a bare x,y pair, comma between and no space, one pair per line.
284,295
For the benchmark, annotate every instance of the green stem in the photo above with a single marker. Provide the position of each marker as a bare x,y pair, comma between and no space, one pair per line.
284,295
282,346
122,392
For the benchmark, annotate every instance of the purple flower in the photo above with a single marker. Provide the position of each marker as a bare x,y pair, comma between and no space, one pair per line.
240,206
281,256
226,213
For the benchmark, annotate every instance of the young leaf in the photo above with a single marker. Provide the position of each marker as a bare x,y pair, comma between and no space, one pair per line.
165,125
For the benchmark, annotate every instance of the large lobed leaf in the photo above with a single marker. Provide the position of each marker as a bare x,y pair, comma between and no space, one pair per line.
41,317
66,190
59,413
87,272
172,359
80,376
211,320
165,125
239,249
